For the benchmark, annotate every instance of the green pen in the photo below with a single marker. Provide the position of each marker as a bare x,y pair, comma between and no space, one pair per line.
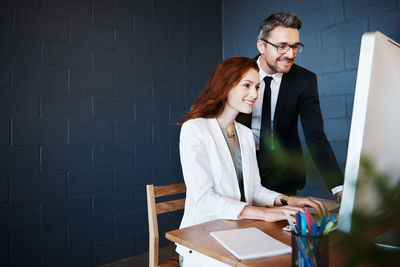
328,228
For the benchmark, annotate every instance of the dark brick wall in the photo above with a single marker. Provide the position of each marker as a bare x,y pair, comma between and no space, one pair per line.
90,91
331,32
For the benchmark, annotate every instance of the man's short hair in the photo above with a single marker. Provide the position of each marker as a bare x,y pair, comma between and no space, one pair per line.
289,20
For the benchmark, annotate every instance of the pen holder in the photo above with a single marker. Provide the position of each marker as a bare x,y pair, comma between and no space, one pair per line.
310,250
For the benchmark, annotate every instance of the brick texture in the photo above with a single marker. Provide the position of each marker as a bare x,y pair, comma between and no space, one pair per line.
59,211
65,107
3,190
91,132
41,132
131,178
89,83
20,46
112,155
40,22
33,243
73,8
14,160
90,92
125,222
11,220
87,232
113,203
35,187
5,132
19,105
79,256
35,77
92,181
5,68
91,34
114,249
64,54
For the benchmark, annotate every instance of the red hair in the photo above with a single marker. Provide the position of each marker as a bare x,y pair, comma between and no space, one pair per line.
212,99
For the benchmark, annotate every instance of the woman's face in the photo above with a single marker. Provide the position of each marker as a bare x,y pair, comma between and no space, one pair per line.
242,96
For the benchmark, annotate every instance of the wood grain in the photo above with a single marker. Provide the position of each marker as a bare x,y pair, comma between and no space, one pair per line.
162,207
198,238
167,190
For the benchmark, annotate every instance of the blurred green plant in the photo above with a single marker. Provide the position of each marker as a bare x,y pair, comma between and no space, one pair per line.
358,247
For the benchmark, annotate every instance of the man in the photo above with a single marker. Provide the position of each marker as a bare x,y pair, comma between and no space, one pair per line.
292,92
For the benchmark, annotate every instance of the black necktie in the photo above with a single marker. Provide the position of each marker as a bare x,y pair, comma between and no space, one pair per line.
265,131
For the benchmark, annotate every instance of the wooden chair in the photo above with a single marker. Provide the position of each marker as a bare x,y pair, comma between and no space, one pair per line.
153,210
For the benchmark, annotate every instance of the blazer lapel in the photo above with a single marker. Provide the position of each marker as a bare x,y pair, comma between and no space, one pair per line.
244,151
222,148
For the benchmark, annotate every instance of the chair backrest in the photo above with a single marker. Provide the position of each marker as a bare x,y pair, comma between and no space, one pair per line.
154,208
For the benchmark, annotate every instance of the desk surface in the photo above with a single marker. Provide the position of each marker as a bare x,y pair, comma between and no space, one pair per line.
198,238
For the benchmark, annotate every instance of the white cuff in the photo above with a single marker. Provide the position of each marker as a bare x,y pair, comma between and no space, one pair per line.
337,189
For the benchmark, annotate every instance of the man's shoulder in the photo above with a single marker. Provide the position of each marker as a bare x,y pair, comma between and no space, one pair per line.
299,70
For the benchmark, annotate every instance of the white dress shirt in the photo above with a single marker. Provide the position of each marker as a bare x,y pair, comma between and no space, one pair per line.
257,107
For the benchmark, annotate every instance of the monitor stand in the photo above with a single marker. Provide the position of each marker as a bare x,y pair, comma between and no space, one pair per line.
389,239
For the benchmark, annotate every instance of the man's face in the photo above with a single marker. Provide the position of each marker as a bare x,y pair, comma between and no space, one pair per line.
271,61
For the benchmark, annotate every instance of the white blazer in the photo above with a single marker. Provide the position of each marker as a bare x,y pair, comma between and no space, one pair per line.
212,188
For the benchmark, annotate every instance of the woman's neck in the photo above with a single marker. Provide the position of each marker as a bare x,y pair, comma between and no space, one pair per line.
227,120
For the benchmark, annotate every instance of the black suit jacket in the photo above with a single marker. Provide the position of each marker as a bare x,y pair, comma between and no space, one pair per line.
298,97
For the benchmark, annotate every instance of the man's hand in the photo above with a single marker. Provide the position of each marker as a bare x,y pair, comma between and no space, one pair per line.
339,195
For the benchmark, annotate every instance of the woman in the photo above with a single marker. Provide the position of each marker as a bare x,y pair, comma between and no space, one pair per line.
218,158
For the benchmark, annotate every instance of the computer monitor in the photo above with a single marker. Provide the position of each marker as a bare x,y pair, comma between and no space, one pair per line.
375,124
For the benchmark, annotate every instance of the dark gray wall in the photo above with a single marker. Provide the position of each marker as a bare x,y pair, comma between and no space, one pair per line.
331,32
89,95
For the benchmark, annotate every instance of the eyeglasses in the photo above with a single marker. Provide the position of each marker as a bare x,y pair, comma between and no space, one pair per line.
283,48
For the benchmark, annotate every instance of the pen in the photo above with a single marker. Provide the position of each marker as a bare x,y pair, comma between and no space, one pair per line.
292,227
332,219
322,226
309,221
314,229
328,227
303,255
299,242
298,222
301,252
303,224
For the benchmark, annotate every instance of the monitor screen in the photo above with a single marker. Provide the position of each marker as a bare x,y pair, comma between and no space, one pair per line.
375,125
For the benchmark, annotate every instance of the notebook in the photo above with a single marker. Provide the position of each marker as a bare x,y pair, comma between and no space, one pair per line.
250,243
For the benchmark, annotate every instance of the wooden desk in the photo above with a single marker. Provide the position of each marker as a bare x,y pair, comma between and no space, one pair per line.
198,238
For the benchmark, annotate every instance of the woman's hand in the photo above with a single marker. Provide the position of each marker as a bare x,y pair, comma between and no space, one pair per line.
302,202
277,213
274,214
